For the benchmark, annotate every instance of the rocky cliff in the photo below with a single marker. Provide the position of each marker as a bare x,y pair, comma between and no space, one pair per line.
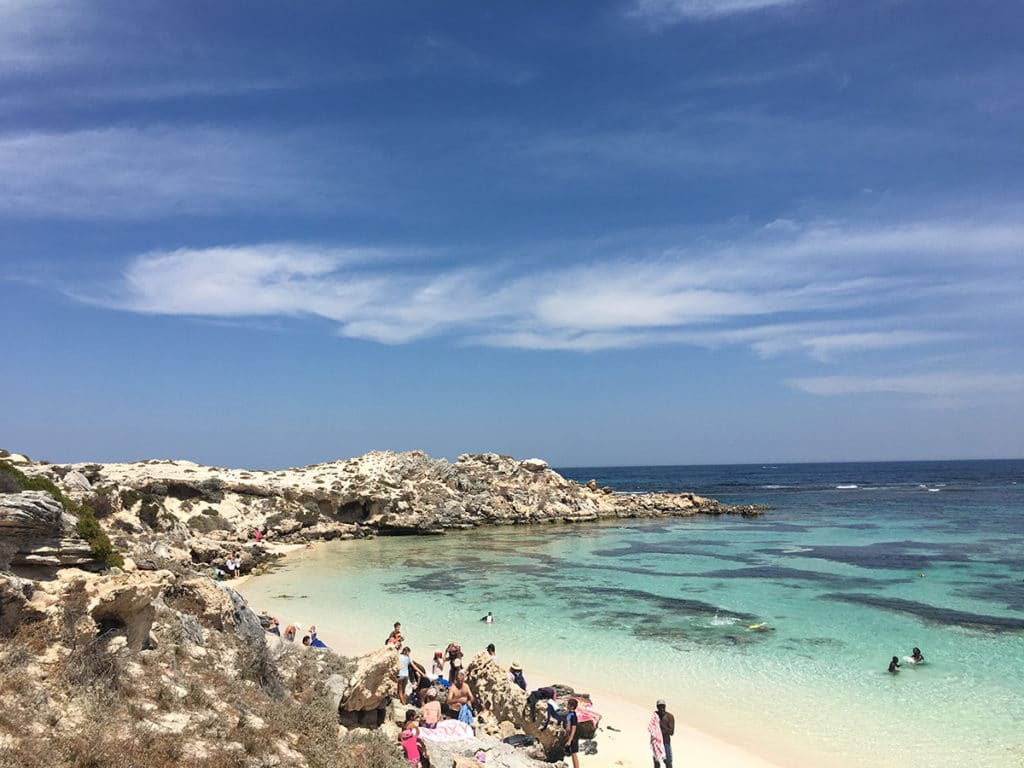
160,509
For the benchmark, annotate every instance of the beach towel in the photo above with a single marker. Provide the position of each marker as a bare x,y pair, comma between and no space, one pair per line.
466,715
447,730
657,741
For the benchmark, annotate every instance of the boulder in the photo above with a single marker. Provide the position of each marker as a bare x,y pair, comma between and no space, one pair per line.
534,465
374,682
205,599
126,601
15,608
498,699
75,482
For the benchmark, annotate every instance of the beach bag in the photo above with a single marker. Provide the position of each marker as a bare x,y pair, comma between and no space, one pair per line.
466,715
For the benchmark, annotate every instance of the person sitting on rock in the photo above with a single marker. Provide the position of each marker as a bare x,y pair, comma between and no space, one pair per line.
515,675
395,638
290,632
458,694
409,738
492,652
314,641
431,709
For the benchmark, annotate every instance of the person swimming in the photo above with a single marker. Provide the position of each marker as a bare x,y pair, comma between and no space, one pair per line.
916,657
894,665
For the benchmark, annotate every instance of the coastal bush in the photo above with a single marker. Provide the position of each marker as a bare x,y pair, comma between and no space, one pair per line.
99,543
130,497
372,751
149,513
206,523
101,503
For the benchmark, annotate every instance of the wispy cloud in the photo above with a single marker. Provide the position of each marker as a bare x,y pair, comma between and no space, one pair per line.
162,170
662,13
944,385
829,293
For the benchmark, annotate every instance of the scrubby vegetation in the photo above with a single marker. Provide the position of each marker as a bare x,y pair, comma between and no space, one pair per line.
74,697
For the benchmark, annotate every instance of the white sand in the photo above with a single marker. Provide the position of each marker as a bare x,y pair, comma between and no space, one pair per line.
627,746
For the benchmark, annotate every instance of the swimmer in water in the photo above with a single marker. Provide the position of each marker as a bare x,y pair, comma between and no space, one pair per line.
916,656
894,665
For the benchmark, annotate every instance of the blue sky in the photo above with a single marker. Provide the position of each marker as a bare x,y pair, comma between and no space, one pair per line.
624,232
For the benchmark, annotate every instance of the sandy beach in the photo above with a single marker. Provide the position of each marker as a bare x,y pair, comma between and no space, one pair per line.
622,739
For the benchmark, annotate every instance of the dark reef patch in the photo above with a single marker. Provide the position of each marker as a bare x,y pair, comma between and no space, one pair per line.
932,613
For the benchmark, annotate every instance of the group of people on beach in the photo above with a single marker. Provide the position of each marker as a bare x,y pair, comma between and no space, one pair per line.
291,631
419,686
915,658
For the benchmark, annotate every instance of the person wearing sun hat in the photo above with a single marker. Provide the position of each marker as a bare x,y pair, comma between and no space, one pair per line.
515,675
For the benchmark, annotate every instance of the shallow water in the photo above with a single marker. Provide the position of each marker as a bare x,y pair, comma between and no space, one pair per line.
845,577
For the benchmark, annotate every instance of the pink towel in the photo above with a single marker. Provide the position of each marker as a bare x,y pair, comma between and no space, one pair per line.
657,742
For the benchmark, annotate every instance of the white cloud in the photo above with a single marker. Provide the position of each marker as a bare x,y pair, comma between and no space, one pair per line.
161,170
40,35
944,385
666,12
830,293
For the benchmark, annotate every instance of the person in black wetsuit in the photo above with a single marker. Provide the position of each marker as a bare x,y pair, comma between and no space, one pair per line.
572,733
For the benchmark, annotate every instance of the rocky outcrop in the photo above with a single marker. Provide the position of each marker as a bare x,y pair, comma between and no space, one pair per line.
374,682
499,701
201,514
127,604
36,532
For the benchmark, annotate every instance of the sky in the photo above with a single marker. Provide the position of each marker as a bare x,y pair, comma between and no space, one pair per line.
607,232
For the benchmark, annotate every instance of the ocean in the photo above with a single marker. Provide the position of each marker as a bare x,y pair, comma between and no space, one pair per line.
855,563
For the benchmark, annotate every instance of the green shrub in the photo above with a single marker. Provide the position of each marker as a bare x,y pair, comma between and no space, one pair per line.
149,513
130,497
205,523
99,543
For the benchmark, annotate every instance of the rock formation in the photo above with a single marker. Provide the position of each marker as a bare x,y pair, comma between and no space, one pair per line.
36,532
374,682
200,514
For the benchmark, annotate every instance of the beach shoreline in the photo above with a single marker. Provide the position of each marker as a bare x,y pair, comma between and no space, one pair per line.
622,740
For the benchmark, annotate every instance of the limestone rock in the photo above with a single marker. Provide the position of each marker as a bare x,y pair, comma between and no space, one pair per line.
374,682
35,531
499,699
126,601
76,482
534,465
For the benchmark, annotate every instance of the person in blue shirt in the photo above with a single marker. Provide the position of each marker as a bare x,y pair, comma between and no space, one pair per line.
314,641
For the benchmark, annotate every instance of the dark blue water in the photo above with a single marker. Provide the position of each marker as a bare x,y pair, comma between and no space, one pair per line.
952,494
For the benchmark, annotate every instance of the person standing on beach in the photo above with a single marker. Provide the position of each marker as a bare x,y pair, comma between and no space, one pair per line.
572,733
667,723
404,660
657,739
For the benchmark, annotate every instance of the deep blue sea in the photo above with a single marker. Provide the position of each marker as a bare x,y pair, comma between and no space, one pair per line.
855,564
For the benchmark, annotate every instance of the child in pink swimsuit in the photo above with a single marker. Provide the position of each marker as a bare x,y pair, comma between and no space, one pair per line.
410,738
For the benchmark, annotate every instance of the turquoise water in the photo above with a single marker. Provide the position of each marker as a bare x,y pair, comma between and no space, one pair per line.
847,577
